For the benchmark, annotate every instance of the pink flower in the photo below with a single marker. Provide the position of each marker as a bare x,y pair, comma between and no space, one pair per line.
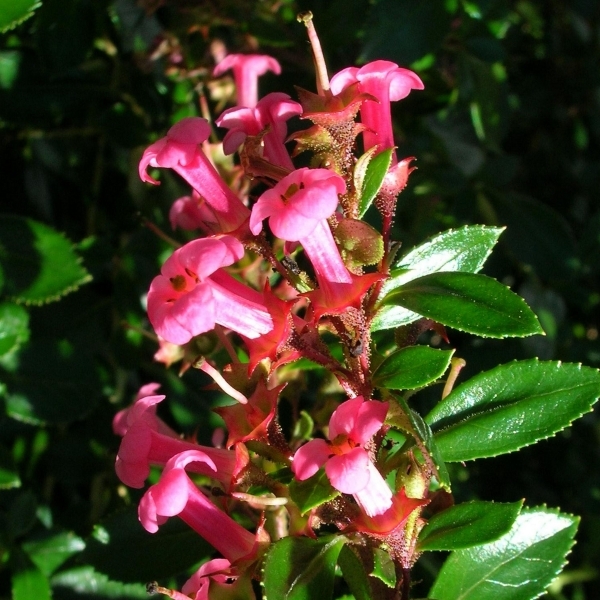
385,81
180,150
272,111
147,440
193,293
298,207
347,463
191,212
247,68
176,495
217,579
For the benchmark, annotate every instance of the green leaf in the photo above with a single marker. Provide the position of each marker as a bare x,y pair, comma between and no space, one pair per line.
384,568
14,331
55,383
124,551
39,263
302,568
511,406
402,417
15,12
473,303
85,583
373,178
465,249
353,571
312,492
412,367
9,474
468,524
30,583
518,566
52,549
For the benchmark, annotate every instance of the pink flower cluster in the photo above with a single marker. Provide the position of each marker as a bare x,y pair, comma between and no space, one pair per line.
220,282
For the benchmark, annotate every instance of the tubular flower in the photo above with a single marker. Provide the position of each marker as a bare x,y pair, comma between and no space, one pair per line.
347,463
147,440
247,68
217,578
191,212
298,207
180,150
176,495
193,293
271,112
385,81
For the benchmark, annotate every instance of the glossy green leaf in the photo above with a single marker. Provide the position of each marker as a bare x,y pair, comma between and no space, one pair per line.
468,524
465,249
123,550
402,417
354,573
298,568
14,12
29,584
14,331
412,367
518,566
84,582
39,263
51,549
383,567
312,492
373,179
511,406
468,302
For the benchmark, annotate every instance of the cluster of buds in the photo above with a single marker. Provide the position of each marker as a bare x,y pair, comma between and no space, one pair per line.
280,259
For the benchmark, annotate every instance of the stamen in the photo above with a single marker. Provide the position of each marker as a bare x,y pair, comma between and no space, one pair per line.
320,66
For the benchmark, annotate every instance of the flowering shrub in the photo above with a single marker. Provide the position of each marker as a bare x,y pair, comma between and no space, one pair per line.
315,429
290,272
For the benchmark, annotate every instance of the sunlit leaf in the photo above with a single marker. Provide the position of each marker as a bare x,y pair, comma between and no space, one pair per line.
465,249
300,568
511,406
14,12
412,367
84,582
468,302
373,179
29,583
518,566
39,263
468,524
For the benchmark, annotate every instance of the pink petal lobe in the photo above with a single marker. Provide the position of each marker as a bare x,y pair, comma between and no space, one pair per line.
369,420
310,458
349,472
343,419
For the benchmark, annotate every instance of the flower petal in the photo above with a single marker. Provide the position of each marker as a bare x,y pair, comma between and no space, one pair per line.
349,472
310,458
369,420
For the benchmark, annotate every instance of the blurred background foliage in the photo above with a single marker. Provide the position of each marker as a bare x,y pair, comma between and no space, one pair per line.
506,132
